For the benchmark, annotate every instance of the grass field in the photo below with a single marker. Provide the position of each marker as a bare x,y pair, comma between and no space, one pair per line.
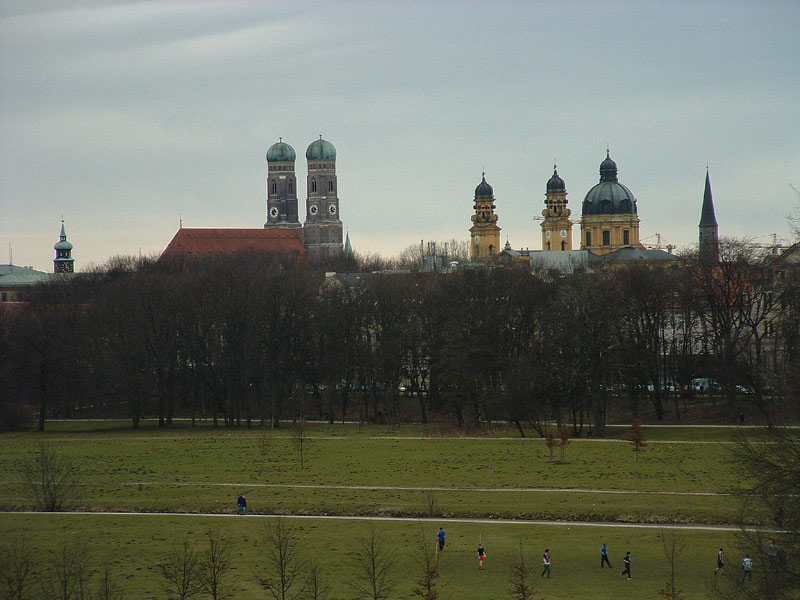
202,470
134,546
682,476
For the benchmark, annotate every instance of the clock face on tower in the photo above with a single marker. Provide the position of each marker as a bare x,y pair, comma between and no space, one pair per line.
313,209
273,212
332,209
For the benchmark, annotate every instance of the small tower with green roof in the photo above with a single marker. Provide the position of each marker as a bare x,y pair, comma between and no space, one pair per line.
63,262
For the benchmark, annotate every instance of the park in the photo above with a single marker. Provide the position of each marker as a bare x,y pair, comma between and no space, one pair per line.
140,493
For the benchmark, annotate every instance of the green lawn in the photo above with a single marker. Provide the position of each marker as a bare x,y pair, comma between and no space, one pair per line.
194,471
134,546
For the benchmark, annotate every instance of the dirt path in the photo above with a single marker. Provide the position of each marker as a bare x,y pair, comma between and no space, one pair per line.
400,519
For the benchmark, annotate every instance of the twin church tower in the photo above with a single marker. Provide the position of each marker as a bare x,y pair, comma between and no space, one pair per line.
321,230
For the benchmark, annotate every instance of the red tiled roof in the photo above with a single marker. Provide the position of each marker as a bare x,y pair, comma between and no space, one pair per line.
204,242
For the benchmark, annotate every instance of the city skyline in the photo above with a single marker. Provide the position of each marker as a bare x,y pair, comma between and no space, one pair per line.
127,118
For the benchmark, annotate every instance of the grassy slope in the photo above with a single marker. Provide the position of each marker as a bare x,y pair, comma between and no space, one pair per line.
134,546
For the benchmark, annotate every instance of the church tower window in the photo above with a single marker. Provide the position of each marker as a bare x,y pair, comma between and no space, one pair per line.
588,238
313,185
606,237
330,186
626,236
274,187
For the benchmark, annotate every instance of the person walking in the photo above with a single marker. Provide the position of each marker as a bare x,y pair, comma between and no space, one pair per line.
720,562
242,503
627,561
604,557
440,535
546,563
481,555
747,568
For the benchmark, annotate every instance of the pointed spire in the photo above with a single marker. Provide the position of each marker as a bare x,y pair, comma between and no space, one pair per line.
63,233
707,217
348,249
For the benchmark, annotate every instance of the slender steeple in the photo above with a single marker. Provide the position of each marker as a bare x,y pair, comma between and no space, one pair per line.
709,232
707,217
348,249
63,263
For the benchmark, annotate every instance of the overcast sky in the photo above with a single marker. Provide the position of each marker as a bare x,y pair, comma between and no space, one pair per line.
124,116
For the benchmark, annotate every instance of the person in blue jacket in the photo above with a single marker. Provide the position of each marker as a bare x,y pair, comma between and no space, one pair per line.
440,535
242,504
604,557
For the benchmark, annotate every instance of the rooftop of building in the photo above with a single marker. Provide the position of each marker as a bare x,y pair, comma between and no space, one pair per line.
15,276
216,241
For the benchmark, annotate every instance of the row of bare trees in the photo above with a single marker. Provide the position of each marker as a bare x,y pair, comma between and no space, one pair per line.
249,339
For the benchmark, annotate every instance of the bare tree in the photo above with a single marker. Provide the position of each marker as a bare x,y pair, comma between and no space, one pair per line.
563,435
770,476
69,574
429,497
300,440
283,564
214,567
550,440
637,438
315,588
51,479
672,548
106,588
372,578
17,576
521,586
426,583
180,571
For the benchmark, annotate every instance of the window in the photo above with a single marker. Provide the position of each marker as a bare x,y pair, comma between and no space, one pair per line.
291,187
313,185
5,297
588,238
563,245
491,250
274,187
330,186
626,237
606,238
548,246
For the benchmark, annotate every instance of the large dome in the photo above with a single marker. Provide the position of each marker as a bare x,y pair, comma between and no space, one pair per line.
609,197
281,152
484,190
321,150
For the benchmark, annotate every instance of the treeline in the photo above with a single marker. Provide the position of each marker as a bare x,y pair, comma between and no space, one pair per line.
250,339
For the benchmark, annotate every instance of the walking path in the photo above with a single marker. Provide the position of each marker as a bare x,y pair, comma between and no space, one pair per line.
402,519
398,488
